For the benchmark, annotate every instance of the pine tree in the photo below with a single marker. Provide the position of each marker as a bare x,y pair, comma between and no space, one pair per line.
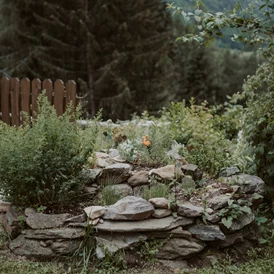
118,50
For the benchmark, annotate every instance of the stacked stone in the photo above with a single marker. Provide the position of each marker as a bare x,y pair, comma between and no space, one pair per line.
183,230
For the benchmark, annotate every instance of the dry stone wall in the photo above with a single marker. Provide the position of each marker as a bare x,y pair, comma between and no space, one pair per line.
182,228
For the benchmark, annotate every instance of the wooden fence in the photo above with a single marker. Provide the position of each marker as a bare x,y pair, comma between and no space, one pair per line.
21,96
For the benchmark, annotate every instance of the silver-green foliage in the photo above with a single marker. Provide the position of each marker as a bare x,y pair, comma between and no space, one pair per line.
40,162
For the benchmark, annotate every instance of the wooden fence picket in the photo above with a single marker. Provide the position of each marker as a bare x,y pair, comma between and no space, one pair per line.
15,95
25,96
35,91
47,85
18,96
59,96
5,106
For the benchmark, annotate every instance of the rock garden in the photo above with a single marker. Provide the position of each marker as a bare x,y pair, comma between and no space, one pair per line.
138,195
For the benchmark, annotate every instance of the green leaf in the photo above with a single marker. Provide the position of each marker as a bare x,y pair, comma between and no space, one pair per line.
261,220
245,209
256,196
227,222
198,12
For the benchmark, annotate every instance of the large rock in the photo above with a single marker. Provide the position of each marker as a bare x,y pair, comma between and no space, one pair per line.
115,174
102,159
164,224
139,178
207,232
129,208
230,240
229,171
14,221
94,212
30,248
176,248
54,233
161,213
190,210
165,173
218,202
115,241
242,221
42,221
90,175
177,232
159,202
62,247
248,183
193,171
4,206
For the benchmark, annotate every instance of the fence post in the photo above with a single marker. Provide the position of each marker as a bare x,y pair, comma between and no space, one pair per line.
47,85
59,96
25,96
71,93
15,108
35,91
5,103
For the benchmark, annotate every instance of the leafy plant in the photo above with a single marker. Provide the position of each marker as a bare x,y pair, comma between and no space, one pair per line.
40,162
148,249
233,210
193,127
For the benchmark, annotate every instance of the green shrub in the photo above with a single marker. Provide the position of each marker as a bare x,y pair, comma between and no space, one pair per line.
40,163
193,126
159,138
258,133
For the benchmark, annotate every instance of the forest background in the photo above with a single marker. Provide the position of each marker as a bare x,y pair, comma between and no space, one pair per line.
122,54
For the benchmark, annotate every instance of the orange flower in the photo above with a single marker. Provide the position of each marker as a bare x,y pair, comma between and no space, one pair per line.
145,141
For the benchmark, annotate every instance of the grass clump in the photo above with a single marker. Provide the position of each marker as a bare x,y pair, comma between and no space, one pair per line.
109,196
156,190
41,162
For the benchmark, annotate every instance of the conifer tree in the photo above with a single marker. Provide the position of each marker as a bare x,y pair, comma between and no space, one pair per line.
120,51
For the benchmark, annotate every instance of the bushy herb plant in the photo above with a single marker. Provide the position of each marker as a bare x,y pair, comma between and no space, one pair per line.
40,162
193,126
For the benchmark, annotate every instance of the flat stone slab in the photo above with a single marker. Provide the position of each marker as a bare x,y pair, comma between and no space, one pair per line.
30,248
207,232
161,213
115,241
218,202
164,224
54,233
177,232
139,178
94,212
166,172
42,221
190,210
176,248
159,202
242,221
129,208
247,183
